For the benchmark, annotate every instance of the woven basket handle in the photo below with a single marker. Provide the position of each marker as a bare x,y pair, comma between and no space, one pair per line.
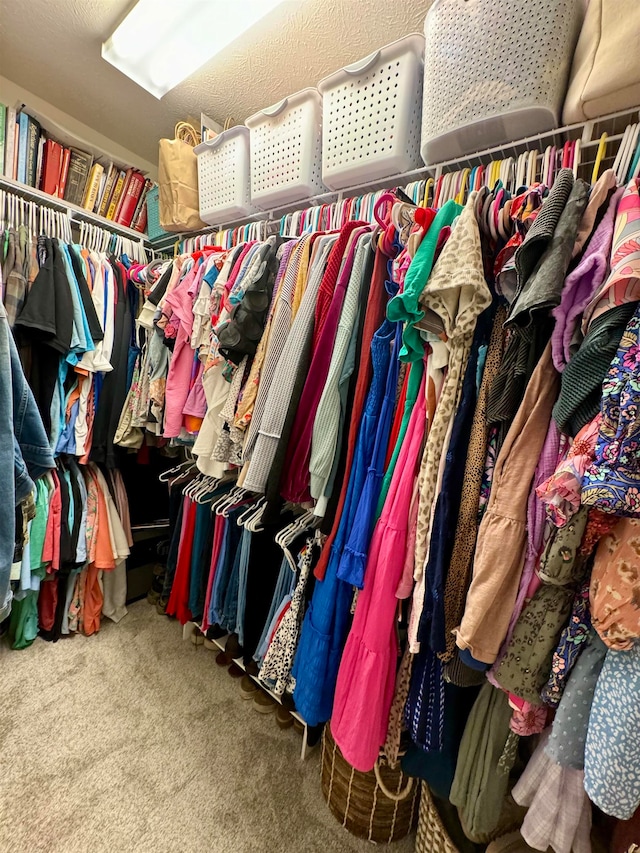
395,797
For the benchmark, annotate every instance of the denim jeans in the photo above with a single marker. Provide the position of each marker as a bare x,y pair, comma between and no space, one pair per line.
245,546
24,450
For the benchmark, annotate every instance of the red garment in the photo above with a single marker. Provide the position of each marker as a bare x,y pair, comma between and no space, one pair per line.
277,625
397,420
295,483
51,547
330,277
47,603
376,307
178,604
93,601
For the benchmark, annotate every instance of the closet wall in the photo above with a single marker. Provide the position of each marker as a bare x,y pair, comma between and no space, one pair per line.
60,123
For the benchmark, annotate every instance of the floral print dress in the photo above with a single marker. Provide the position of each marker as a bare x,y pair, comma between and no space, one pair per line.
612,481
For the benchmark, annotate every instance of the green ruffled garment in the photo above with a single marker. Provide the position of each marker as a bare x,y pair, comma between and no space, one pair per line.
404,307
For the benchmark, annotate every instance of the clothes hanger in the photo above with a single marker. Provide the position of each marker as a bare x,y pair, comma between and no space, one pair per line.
601,153
621,152
244,516
628,153
634,168
221,503
239,496
428,192
165,476
209,485
521,168
577,151
505,225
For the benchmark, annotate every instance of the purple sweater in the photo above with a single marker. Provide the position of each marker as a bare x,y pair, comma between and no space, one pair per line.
581,284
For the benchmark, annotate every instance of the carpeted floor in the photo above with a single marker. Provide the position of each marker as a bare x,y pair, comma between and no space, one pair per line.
133,740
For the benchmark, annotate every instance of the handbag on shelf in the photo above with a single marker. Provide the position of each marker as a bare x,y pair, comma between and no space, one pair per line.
605,76
178,181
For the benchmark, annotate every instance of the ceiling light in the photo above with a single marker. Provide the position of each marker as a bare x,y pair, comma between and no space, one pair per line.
162,42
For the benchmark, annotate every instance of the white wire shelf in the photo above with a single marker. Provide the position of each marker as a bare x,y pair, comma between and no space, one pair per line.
74,211
588,133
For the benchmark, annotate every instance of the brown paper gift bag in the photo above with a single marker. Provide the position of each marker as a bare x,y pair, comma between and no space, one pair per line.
178,184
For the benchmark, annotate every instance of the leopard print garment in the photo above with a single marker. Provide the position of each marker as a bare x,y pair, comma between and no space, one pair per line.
459,572
456,294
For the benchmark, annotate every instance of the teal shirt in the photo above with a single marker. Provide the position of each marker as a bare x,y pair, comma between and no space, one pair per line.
405,306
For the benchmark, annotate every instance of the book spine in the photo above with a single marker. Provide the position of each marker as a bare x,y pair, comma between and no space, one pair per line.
136,183
39,162
16,149
51,167
141,202
103,183
9,142
79,167
125,187
33,139
92,186
64,172
108,191
3,133
115,198
141,224
46,148
23,145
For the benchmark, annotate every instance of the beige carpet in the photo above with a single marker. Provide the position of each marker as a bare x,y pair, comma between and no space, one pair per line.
136,741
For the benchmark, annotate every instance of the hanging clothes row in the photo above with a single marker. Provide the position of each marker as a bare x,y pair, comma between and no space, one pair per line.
364,374
67,319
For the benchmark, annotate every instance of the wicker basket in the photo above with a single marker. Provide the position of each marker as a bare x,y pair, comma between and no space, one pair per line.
381,806
432,837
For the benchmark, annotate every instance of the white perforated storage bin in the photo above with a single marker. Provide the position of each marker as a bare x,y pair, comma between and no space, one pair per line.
223,176
286,150
494,72
371,115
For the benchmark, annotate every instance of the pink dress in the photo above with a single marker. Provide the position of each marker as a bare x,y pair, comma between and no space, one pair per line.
367,674
180,303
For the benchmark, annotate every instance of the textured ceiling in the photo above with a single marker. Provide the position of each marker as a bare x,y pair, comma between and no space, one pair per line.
52,48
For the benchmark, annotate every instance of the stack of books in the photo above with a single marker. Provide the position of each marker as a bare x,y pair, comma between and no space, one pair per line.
30,155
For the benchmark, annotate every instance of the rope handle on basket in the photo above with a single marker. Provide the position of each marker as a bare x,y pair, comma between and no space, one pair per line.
395,797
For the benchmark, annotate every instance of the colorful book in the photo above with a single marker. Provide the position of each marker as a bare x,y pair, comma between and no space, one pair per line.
33,141
40,161
130,199
9,142
108,190
52,162
79,168
103,183
16,148
23,145
116,194
141,224
64,172
93,184
3,134
125,187
142,202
